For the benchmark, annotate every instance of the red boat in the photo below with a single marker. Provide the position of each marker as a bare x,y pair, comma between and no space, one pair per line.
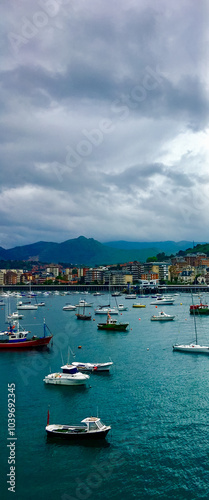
16,338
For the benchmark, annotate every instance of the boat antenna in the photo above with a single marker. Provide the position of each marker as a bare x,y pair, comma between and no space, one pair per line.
62,357
44,328
48,415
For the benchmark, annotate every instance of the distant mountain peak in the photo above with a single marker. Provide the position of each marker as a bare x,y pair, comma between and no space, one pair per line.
90,252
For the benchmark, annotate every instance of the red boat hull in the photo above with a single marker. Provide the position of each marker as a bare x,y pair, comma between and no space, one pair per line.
26,344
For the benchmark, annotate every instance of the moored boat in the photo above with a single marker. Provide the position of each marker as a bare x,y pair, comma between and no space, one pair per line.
27,306
199,309
93,367
83,303
105,310
162,316
162,300
112,325
92,428
194,347
191,348
16,338
69,307
83,316
14,315
69,376
121,307
138,305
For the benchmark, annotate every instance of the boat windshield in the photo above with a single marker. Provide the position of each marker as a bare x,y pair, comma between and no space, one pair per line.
93,426
100,424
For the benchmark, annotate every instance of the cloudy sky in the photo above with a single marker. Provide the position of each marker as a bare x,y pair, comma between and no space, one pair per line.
104,120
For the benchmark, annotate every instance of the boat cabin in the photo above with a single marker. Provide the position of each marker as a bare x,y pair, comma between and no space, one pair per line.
70,369
93,423
17,335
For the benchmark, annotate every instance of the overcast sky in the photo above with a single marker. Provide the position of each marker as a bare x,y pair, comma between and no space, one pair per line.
104,120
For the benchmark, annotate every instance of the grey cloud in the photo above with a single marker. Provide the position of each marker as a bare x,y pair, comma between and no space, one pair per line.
91,63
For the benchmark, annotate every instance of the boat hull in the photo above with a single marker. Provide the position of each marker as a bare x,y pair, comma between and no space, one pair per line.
162,319
23,308
83,317
162,302
58,379
26,343
116,328
77,436
106,311
103,367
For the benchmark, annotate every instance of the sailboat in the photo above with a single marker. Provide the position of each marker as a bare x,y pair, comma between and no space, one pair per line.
107,309
28,306
82,315
194,347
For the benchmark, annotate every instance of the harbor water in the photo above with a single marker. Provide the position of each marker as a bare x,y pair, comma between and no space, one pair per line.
155,400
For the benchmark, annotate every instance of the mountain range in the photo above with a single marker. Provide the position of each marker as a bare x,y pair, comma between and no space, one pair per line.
90,252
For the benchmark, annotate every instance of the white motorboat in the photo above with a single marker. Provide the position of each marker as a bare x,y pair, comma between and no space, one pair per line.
121,307
162,300
162,316
131,296
14,315
69,307
27,306
105,310
83,303
69,376
92,367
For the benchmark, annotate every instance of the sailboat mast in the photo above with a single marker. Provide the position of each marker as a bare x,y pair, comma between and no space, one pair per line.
195,325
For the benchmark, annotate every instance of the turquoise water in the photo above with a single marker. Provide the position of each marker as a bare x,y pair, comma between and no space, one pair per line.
155,400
